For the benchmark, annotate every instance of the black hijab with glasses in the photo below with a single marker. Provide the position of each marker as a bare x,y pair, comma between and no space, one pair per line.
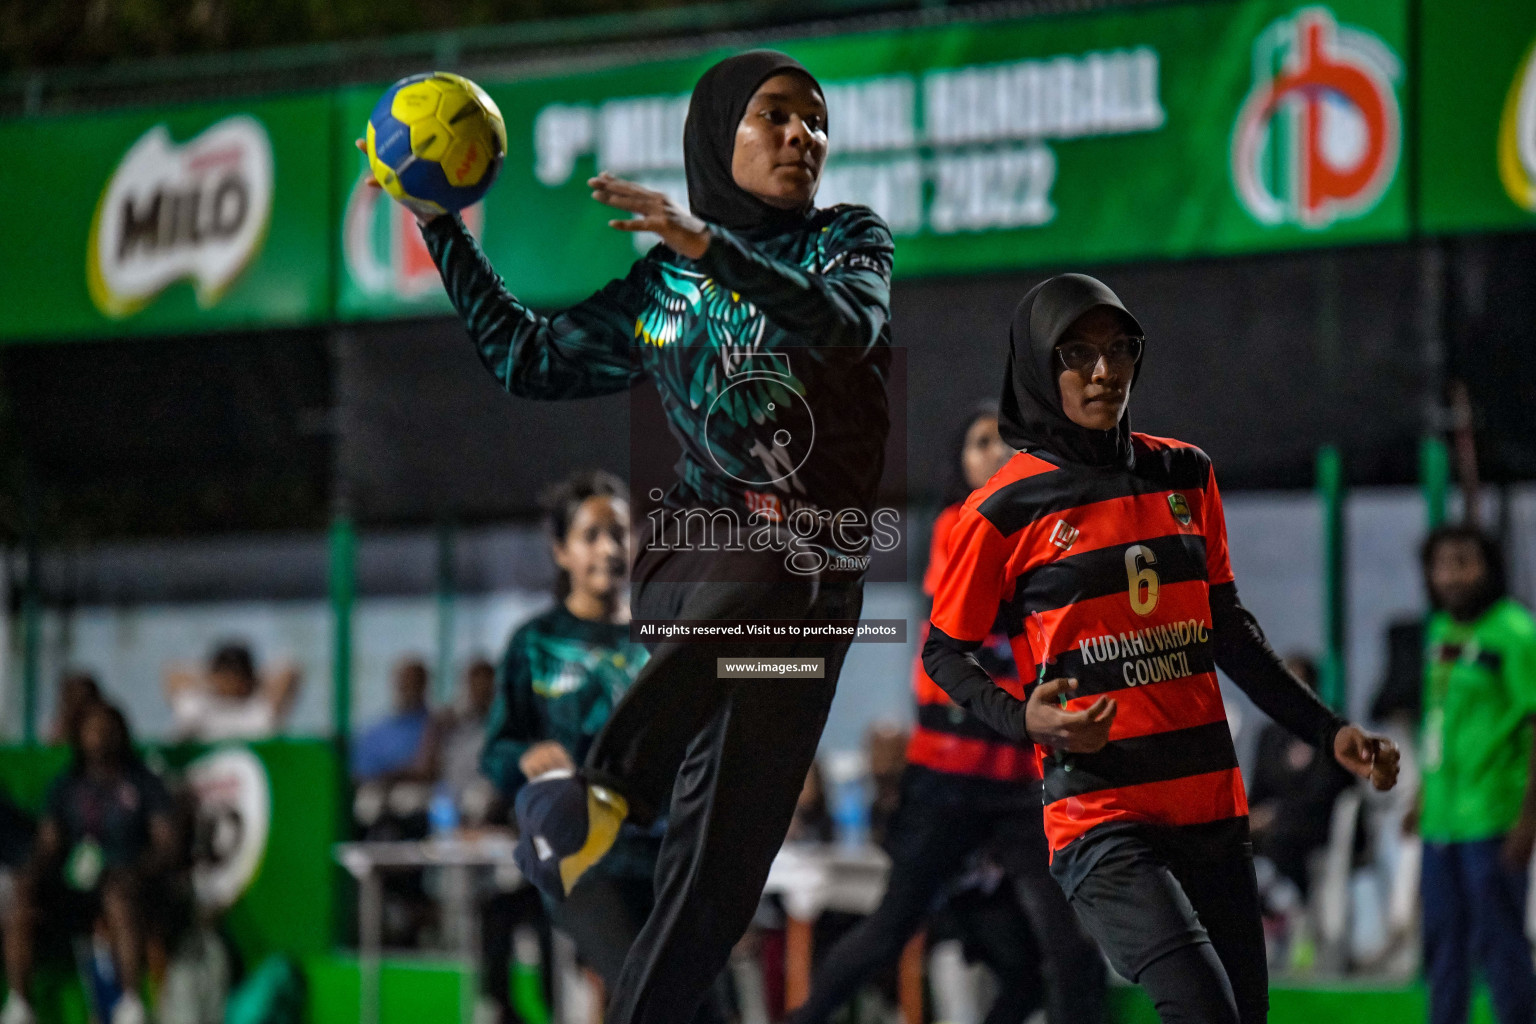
1030,415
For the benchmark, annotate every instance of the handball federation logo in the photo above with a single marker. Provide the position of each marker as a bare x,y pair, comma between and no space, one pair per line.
1517,136
198,210
1318,137
383,248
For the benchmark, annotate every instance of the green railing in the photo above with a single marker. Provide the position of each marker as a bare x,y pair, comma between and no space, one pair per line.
1333,679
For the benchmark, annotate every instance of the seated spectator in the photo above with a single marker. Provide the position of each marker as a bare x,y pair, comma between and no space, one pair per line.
77,692
1400,700
456,738
393,749
887,747
16,832
812,822
392,767
106,852
229,700
1291,794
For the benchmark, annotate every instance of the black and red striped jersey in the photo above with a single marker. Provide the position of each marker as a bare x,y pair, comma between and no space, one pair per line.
1103,574
946,737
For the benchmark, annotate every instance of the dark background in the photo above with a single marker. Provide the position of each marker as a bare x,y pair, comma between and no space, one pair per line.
1258,360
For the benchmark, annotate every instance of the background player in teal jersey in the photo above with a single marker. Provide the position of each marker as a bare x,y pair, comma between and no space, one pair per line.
1478,817
561,675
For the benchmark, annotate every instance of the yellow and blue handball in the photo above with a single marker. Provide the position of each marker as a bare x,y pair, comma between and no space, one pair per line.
435,142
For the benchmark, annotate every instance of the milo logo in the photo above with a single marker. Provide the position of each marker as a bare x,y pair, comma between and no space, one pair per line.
383,248
1318,137
234,818
198,210
1517,136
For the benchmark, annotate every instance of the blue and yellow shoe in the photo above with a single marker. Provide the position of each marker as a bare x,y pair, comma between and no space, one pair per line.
565,825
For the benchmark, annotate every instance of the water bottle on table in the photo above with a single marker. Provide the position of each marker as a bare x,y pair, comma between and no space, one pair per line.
848,779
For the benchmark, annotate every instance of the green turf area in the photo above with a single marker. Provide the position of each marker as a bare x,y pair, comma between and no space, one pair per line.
1357,1003
418,990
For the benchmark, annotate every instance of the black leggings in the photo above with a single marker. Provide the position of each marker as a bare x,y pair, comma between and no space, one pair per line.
500,914
1176,910
602,915
995,930
941,819
1188,985
725,759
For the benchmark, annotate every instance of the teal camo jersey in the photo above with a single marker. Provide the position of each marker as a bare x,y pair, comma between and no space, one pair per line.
558,680
771,356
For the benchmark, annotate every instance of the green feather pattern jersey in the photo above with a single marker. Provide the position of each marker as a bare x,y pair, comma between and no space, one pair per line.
771,356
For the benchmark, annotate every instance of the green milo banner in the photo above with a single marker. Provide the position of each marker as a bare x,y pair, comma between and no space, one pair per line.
1048,142
1477,138
207,217
1181,130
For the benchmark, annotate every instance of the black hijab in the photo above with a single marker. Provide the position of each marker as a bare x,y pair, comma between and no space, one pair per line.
1030,415
958,487
709,141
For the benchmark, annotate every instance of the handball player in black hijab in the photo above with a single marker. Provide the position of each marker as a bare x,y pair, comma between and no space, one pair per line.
1107,550
749,274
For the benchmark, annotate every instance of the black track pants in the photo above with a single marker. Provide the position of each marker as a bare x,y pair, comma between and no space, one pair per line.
1176,910
724,758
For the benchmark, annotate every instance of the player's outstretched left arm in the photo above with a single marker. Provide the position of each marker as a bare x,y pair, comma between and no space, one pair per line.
1244,654
847,302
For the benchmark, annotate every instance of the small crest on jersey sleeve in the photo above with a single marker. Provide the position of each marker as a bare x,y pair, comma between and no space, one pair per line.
1179,507
1064,535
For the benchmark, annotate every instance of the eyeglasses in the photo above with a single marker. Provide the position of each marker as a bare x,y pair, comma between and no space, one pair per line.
1080,355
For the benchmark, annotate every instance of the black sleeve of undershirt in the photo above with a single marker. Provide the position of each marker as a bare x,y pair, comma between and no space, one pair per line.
1244,654
951,663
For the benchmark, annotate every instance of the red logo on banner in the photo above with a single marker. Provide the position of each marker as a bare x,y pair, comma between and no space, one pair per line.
1318,137
384,251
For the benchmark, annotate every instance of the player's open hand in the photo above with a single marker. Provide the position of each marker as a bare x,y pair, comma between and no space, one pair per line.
653,211
423,215
1367,755
1076,732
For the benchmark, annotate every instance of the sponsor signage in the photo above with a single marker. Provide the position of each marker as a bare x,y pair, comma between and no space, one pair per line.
203,217
1318,136
198,211
1051,142
385,262
233,798
1517,136
1477,130
1045,142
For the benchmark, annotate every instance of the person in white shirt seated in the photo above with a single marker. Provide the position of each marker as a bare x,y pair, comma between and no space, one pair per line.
228,700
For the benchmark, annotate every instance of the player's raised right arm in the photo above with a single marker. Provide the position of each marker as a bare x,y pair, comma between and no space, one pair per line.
581,352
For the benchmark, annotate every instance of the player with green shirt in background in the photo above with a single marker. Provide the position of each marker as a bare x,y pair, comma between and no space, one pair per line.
562,673
1478,813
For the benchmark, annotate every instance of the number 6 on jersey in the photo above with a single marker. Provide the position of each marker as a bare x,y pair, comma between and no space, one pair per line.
1141,579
